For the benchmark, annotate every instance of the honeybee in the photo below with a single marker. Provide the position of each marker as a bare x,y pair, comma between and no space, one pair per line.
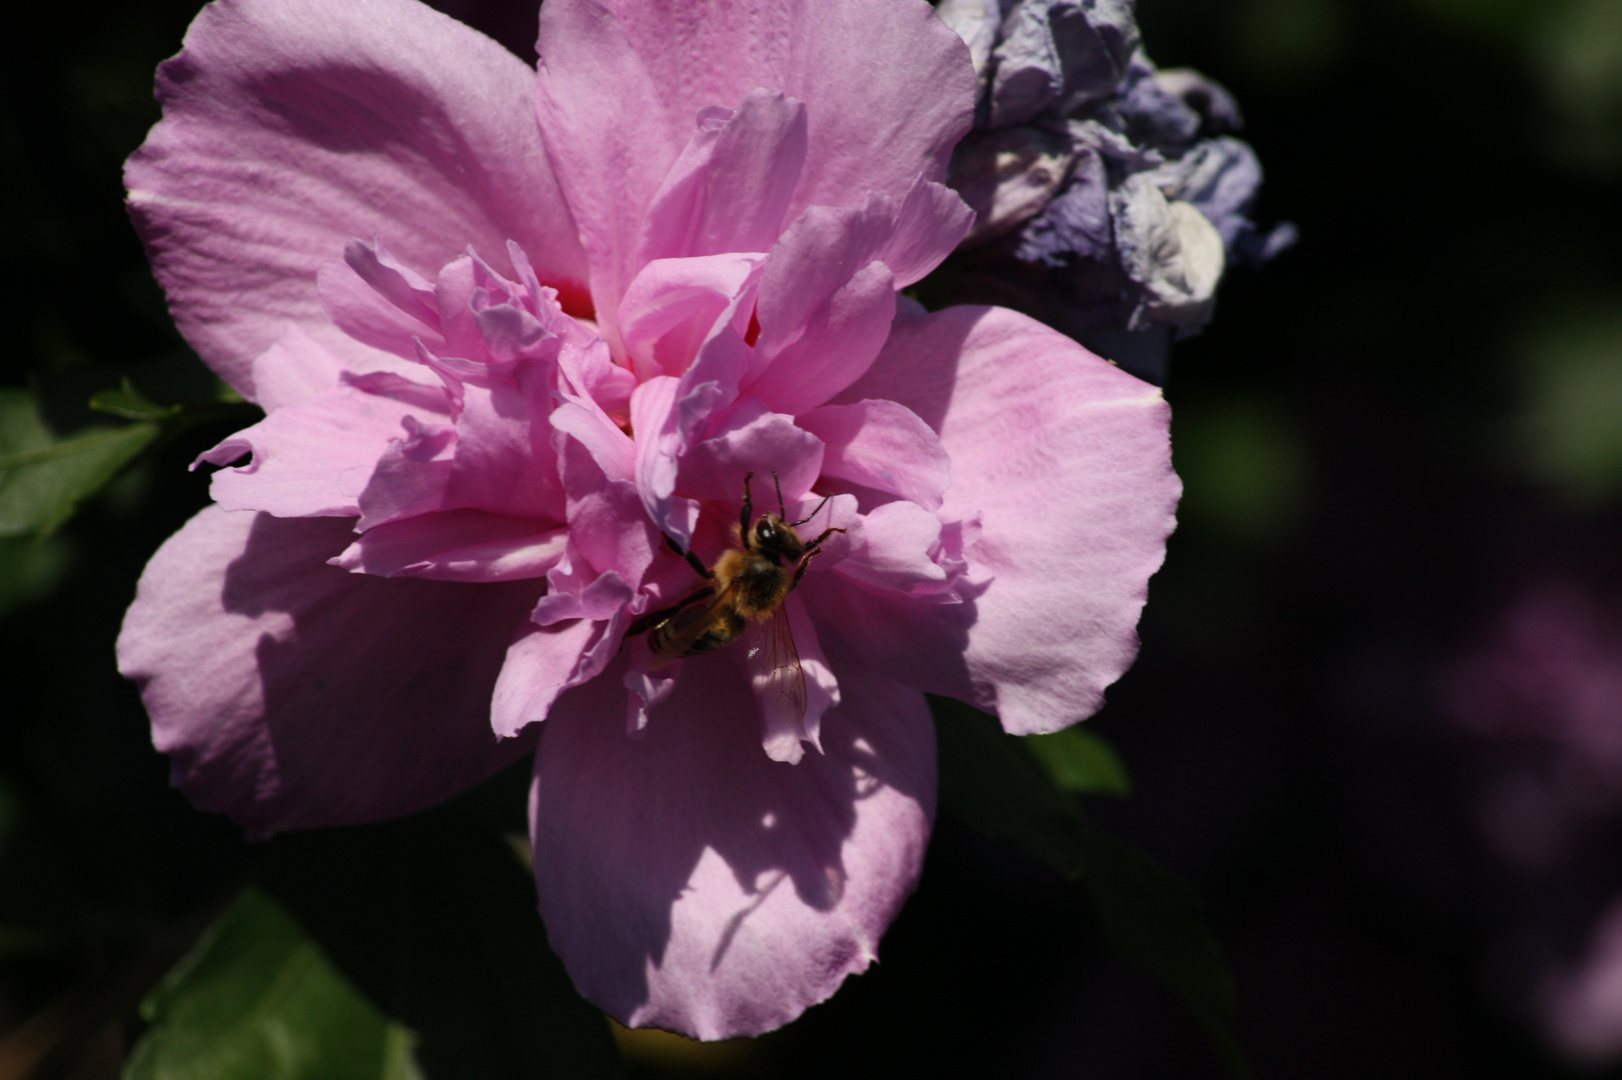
748,584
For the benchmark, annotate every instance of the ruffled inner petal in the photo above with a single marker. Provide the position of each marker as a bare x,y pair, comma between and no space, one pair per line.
622,83
902,552
541,663
731,187
674,305
315,458
840,338
457,545
752,439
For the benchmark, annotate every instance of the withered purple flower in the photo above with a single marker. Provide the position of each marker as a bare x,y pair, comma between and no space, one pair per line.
1110,195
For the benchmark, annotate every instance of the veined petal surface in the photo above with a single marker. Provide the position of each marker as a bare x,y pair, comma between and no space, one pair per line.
292,126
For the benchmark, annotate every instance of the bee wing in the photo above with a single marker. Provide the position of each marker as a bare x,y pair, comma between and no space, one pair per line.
652,620
785,677
687,626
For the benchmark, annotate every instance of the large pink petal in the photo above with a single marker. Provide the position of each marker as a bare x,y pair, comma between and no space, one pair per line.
691,883
291,693
294,369
292,126
888,91
1068,459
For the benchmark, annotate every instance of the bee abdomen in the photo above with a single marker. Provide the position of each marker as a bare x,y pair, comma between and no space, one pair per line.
725,627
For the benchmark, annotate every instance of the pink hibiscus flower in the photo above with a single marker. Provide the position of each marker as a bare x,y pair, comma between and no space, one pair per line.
519,339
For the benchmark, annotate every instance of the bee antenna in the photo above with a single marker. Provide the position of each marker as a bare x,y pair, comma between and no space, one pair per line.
815,510
782,510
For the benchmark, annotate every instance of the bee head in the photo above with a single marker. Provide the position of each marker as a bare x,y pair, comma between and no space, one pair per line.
771,536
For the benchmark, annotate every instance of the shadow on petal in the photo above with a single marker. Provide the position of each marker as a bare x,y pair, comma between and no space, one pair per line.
690,882
375,692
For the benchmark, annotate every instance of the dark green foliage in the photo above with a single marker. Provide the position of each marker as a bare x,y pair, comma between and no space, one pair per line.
1017,789
416,952
257,1000
44,479
1080,762
1152,917
992,781
434,918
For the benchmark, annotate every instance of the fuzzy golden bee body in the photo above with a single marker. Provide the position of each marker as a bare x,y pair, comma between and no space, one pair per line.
747,585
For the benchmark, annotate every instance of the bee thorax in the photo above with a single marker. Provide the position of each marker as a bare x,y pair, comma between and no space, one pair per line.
760,586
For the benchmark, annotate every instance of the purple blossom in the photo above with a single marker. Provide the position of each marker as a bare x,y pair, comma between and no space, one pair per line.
1097,176
519,338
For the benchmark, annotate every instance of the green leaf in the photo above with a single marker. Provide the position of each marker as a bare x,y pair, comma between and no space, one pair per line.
434,918
30,569
1152,917
1081,762
43,480
130,403
990,780
257,1000
1019,789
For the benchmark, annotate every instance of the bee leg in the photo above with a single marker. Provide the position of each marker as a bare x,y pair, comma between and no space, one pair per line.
814,512
816,545
692,560
748,513
805,560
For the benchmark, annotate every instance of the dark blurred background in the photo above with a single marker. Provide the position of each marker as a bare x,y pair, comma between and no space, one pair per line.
1377,718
